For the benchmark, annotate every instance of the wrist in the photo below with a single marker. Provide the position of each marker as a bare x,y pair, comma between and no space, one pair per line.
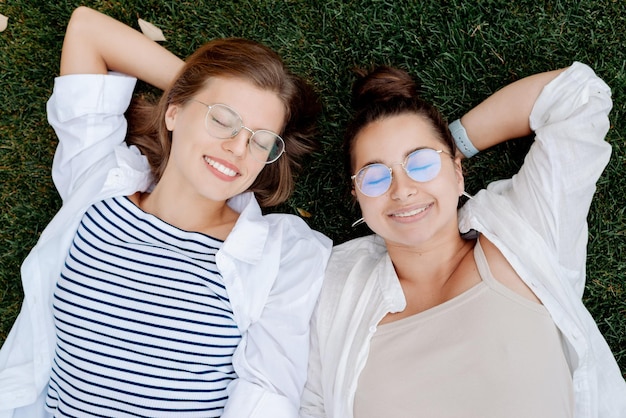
463,143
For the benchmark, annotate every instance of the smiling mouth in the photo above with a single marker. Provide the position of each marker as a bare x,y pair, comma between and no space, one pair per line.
220,167
410,213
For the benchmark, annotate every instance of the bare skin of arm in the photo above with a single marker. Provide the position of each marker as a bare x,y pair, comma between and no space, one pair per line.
95,43
504,115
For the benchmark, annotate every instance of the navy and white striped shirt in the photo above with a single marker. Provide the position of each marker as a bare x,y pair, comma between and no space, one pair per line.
144,324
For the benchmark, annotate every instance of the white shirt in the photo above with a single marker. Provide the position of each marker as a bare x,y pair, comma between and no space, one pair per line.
272,265
537,219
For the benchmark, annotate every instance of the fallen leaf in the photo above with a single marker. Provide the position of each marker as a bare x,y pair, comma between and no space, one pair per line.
3,22
150,30
303,213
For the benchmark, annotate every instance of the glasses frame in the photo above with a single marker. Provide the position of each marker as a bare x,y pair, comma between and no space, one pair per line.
390,168
236,131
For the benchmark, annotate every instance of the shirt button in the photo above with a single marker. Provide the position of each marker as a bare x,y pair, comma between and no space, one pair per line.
373,328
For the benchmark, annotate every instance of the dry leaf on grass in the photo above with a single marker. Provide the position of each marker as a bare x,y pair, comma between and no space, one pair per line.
150,30
303,213
3,22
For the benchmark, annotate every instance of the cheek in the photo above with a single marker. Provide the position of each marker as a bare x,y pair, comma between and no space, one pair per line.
452,180
178,143
255,171
370,209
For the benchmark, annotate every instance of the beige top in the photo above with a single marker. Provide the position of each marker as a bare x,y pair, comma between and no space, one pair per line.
487,353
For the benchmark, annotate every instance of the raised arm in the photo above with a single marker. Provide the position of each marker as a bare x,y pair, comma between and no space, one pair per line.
505,114
95,43
554,187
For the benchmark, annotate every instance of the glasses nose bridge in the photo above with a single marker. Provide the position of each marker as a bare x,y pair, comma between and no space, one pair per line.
401,164
390,168
235,144
391,176
243,127
401,188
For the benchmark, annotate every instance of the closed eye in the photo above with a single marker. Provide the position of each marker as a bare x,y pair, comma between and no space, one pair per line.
421,168
375,181
219,123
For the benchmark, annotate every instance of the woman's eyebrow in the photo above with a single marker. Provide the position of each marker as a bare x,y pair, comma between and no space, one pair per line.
376,161
379,161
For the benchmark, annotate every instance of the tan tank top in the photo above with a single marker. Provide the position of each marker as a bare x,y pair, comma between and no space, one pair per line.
487,353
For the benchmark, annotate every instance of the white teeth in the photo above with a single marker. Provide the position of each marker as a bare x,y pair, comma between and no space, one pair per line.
220,167
411,213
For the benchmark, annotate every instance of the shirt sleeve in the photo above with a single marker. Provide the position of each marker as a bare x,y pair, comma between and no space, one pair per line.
87,114
271,361
312,404
554,188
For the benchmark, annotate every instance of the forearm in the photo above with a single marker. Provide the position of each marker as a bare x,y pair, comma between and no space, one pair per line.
95,43
504,115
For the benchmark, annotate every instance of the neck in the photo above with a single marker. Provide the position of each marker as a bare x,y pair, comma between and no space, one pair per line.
429,265
190,213
433,275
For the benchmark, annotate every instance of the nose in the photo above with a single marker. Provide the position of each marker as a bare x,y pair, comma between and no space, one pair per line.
238,144
402,186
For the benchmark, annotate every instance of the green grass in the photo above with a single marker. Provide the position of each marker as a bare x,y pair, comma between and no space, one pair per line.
462,51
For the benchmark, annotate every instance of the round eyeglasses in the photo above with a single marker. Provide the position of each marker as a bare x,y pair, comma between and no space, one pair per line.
223,122
421,165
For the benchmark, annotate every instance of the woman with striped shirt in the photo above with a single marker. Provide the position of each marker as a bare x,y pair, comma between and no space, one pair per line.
160,289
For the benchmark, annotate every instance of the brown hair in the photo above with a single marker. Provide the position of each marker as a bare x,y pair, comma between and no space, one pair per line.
254,62
386,92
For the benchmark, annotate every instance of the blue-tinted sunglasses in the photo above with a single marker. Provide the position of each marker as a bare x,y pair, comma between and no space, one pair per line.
422,165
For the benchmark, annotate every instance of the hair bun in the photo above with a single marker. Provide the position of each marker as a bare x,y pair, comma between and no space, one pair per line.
383,84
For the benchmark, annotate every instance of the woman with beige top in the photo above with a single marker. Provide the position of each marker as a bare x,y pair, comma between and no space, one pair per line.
474,312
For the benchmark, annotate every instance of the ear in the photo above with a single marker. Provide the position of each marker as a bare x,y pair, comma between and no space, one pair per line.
170,116
353,192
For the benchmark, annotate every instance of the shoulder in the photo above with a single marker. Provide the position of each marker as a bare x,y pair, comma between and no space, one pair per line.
292,230
367,246
359,276
272,230
502,270
361,253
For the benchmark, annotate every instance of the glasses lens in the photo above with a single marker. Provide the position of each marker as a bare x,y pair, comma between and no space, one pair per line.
222,121
373,180
423,165
266,146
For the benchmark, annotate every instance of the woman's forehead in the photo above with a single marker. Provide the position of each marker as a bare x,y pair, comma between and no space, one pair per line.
394,137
